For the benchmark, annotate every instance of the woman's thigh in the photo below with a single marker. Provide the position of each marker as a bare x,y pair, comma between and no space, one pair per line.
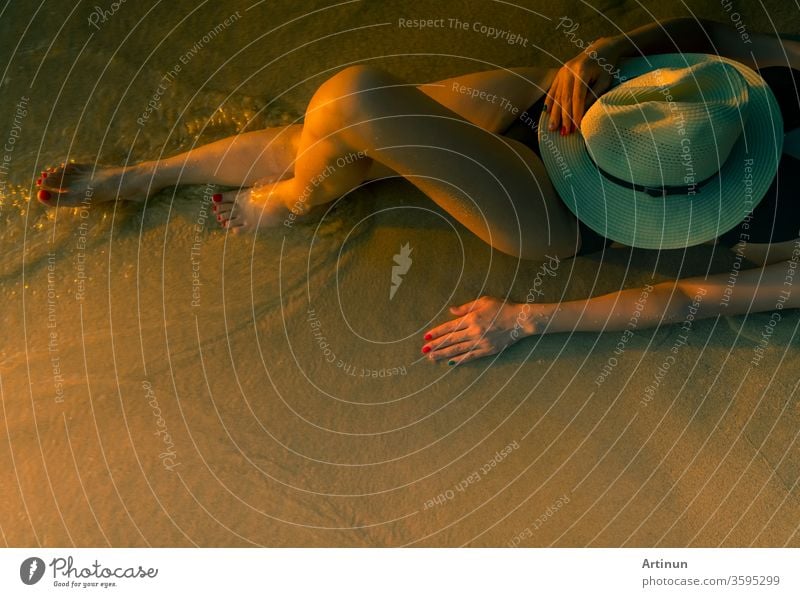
491,99
495,186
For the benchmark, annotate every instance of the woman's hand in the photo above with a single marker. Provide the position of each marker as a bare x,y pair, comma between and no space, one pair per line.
580,82
484,327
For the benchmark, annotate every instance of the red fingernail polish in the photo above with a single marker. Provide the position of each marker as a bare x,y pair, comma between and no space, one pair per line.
428,336
43,195
563,131
217,197
426,349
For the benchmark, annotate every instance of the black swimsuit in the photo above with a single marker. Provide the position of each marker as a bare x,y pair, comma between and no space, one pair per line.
775,219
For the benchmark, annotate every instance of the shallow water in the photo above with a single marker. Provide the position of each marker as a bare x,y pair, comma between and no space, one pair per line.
164,384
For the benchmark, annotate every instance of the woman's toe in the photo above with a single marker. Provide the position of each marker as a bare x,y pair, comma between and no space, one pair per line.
51,184
235,221
56,174
224,209
55,181
44,196
71,168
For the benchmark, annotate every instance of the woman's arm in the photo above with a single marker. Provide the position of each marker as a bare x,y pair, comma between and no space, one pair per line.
488,325
754,290
581,80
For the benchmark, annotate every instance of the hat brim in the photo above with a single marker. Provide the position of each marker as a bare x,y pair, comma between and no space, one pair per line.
638,219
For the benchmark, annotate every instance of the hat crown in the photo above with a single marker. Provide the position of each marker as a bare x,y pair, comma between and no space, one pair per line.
649,216
669,127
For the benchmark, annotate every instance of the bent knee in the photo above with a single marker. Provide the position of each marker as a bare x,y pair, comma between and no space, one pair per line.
361,77
344,95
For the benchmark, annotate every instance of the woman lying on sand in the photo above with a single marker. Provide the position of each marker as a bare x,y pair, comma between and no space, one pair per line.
677,151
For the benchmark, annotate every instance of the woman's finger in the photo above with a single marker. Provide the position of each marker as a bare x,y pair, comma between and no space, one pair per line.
446,328
566,104
452,350
579,90
555,106
454,337
551,93
465,308
564,91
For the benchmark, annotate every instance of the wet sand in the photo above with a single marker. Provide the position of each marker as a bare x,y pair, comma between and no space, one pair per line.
166,385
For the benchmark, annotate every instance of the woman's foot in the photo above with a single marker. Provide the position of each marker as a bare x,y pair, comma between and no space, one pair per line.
260,206
72,184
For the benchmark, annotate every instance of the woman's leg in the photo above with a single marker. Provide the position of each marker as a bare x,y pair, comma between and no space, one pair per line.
240,160
494,186
269,154
362,121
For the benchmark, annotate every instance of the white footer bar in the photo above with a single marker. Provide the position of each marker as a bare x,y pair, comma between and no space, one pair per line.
406,573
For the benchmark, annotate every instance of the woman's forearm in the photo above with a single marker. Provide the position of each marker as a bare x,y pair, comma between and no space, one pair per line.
647,307
748,291
488,325
690,35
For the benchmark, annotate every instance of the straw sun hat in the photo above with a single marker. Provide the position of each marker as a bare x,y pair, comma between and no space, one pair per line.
677,154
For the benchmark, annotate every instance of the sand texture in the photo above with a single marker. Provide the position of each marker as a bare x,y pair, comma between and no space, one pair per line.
286,402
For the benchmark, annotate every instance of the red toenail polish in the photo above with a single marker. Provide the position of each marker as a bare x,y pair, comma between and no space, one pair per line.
38,181
428,336
43,195
217,197
426,349
44,174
